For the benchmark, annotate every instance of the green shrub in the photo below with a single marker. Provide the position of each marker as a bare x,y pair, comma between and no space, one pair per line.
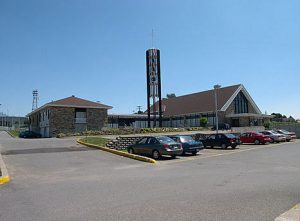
128,131
203,121
267,124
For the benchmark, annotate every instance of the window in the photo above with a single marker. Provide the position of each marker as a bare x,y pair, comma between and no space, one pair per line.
80,112
164,139
231,136
240,104
212,137
186,139
219,136
142,141
152,141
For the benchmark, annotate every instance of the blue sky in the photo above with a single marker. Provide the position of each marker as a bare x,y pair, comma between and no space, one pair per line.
96,50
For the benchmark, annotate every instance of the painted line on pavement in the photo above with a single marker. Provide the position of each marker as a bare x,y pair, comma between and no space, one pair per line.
120,153
223,154
4,178
292,214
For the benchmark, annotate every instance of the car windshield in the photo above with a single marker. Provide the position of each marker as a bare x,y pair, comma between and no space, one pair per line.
281,132
229,135
165,139
274,132
285,131
186,139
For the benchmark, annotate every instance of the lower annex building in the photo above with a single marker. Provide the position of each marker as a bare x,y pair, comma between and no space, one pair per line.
68,115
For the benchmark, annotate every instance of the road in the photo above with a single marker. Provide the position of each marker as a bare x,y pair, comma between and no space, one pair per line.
58,180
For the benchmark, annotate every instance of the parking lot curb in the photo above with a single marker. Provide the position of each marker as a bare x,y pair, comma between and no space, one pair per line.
120,153
4,178
291,215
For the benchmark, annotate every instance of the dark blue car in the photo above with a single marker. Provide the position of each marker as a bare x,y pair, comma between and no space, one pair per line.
189,145
29,134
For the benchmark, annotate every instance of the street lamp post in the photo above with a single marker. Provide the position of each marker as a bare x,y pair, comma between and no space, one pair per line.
1,119
216,87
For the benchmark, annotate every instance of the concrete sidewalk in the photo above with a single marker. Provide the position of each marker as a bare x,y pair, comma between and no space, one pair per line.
290,215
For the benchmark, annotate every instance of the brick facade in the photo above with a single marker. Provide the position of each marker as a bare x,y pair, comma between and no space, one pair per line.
96,119
61,120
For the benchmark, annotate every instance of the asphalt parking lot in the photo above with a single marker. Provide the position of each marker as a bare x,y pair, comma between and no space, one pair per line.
216,152
58,179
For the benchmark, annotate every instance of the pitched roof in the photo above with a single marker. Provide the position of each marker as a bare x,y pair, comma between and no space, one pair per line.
77,102
73,101
201,102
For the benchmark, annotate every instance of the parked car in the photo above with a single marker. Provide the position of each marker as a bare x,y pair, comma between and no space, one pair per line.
275,137
189,145
289,135
256,138
221,140
156,146
222,126
29,134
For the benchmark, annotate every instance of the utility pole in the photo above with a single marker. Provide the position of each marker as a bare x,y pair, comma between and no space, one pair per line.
139,107
216,87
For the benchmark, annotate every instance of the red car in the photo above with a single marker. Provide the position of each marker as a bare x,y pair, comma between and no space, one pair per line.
256,138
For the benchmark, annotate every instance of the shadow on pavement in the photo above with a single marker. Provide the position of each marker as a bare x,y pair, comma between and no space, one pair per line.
46,150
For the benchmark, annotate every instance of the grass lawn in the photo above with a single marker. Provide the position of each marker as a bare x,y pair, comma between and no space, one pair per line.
97,141
14,133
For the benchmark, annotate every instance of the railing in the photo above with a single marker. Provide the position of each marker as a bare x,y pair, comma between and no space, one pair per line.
80,120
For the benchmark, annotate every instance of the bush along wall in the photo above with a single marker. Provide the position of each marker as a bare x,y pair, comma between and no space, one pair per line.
127,131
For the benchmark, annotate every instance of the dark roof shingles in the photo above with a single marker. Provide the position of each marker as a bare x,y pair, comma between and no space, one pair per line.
75,101
200,102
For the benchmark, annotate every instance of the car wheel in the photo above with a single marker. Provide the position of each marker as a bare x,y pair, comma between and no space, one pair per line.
256,142
233,146
155,155
173,156
272,140
183,153
130,150
194,153
224,146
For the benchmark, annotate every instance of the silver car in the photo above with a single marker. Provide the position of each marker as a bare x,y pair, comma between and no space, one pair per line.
275,137
285,132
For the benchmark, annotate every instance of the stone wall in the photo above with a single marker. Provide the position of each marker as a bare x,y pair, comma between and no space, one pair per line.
251,108
230,109
61,120
247,129
96,118
244,121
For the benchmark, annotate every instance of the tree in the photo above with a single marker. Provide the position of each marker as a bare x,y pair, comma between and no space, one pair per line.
203,121
171,95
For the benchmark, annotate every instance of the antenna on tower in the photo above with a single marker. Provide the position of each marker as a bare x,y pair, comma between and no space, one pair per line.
35,95
152,38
